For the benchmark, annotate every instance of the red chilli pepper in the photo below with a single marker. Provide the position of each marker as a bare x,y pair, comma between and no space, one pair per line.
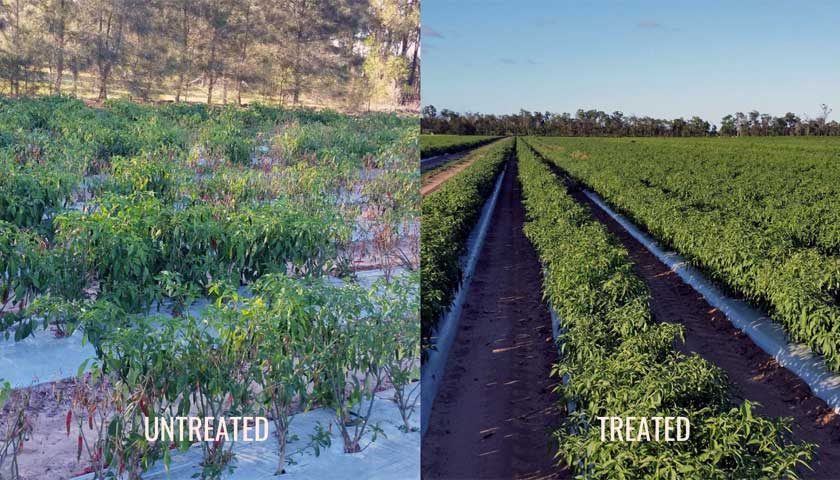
68,420
79,449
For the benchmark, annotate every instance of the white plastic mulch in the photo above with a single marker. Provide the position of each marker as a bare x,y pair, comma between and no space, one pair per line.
396,456
41,358
767,334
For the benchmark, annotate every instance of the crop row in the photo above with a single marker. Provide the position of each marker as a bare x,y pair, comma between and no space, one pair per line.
130,203
759,217
126,247
448,216
433,145
615,361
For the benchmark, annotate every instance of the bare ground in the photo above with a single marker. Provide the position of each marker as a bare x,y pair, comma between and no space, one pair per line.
495,411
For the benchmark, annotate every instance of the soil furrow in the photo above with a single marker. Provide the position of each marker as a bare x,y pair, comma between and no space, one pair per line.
495,410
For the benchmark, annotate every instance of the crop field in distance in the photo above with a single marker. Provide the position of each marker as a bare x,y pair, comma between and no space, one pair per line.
432,145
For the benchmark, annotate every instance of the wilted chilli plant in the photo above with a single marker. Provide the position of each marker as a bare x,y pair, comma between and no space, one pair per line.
350,350
282,312
397,309
15,429
92,402
391,213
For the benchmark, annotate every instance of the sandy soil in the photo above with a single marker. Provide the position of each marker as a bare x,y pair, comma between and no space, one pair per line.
756,374
495,411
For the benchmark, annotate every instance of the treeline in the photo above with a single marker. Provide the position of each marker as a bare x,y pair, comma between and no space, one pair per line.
598,123
362,50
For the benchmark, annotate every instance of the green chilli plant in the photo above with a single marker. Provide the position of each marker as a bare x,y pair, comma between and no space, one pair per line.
396,305
180,294
218,358
350,349
285,358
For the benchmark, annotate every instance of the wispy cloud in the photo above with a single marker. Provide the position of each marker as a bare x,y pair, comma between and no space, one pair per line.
430,32
507,61
649,24
531,61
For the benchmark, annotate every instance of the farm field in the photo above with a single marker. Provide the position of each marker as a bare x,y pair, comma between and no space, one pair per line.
452,164
432,145
162,261
633,339
758,215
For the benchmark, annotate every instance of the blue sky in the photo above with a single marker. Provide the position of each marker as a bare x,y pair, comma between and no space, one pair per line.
664,59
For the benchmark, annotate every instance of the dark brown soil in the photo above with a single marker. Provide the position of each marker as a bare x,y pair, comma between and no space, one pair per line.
495,411
709,333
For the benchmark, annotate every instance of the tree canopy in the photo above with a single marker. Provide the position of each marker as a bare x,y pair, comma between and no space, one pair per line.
314,52
598,123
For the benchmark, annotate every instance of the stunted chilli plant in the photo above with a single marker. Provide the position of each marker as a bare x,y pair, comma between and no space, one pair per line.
396,306
149,384
87,421
351,348
390,214
217,357
285,357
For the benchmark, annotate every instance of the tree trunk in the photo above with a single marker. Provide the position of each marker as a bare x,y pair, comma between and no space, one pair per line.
224,89
210,82
413,73
103,82
211,74
60,41
179,87
75,81
185,51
